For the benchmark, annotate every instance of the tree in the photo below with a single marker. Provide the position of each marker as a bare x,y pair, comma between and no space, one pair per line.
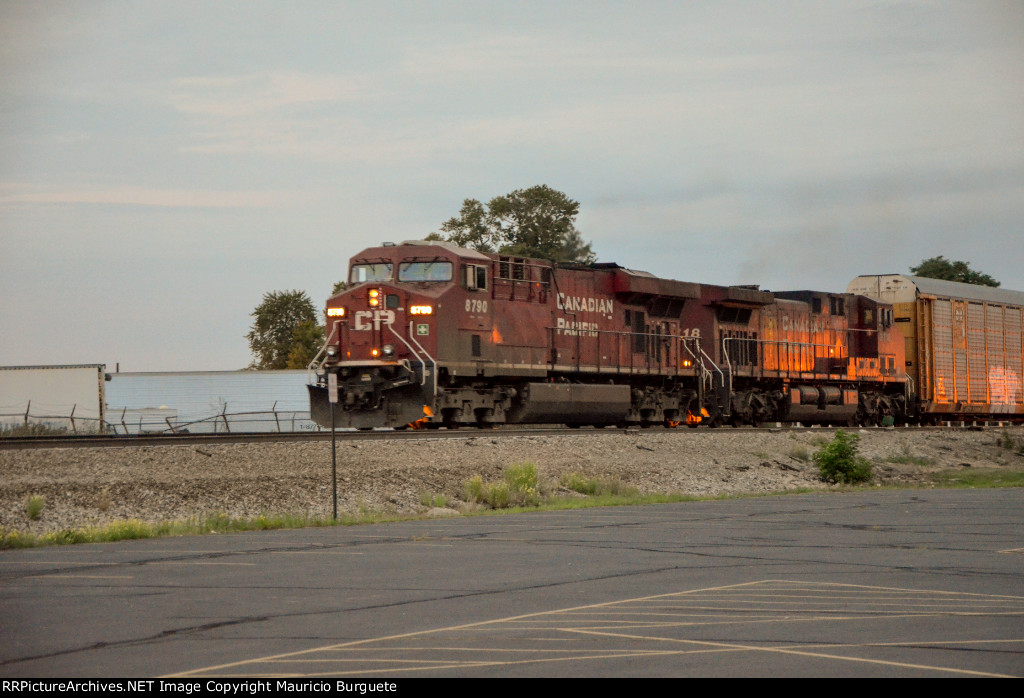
280,319
534,222
942,268
307,340
472,228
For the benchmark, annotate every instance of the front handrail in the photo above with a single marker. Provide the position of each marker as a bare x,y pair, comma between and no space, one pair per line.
314,365
408,346
433,361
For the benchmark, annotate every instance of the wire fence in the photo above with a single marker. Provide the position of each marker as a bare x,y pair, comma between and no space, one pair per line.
48,421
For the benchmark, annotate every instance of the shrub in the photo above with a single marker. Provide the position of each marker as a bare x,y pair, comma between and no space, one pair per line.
838,461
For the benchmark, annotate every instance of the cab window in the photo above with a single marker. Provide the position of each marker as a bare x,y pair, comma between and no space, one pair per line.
425,271
370,272
476,277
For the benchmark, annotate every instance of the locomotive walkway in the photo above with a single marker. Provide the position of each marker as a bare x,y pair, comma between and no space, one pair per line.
885,583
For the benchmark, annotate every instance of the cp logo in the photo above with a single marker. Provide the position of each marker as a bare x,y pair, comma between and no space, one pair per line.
365,319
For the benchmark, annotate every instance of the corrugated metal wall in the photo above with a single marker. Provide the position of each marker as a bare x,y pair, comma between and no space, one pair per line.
977,350
209,401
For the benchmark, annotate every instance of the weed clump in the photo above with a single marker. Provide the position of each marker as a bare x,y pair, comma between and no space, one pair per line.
1010,444
800,453
34,507
433,500
907,456
838,461
520,488
600,487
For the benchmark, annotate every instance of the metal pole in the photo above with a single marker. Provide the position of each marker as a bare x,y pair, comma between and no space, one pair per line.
332,396
334,466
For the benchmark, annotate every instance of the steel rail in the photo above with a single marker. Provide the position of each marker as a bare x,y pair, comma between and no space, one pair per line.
108,441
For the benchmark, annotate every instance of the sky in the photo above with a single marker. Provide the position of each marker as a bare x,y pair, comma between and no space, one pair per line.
165,164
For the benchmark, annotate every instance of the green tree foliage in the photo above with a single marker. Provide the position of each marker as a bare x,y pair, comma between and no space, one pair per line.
277,321
307,339
942,268
535,222
838,461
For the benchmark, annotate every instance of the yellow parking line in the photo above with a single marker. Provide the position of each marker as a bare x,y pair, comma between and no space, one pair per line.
803,653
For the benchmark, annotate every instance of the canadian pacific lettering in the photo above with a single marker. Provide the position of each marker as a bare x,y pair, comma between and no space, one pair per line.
576,329
587,305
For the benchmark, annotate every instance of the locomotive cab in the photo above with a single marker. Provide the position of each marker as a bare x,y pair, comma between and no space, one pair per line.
386,328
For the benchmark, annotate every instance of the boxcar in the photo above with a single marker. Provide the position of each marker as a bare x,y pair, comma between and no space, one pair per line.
964,344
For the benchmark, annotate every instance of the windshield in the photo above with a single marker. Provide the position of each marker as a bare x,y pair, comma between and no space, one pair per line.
425,271
370,272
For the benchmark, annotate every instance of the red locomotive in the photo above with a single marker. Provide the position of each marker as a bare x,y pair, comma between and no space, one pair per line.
430,334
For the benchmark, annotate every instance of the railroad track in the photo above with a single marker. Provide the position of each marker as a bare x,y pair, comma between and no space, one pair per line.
104,440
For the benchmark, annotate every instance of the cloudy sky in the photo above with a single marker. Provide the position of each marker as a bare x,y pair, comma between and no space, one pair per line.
164,164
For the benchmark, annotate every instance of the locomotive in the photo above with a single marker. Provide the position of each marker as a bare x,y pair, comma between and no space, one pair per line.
428,334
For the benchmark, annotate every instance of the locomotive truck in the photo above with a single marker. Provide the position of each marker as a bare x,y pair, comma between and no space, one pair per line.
428,334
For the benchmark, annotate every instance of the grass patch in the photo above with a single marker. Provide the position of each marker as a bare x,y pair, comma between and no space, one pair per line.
597,487
222,523
520,488
979,477
133,529
438,501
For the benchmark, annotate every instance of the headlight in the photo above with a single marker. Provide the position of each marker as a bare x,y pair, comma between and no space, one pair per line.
389,349
332,349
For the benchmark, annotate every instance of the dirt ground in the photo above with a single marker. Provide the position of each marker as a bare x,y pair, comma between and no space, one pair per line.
94,486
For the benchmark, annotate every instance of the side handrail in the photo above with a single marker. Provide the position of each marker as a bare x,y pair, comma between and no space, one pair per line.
698,361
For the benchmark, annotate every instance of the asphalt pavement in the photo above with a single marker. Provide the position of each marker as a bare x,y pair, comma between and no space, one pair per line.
875,583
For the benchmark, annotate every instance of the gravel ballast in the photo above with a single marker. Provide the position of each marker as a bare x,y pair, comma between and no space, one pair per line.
94,486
